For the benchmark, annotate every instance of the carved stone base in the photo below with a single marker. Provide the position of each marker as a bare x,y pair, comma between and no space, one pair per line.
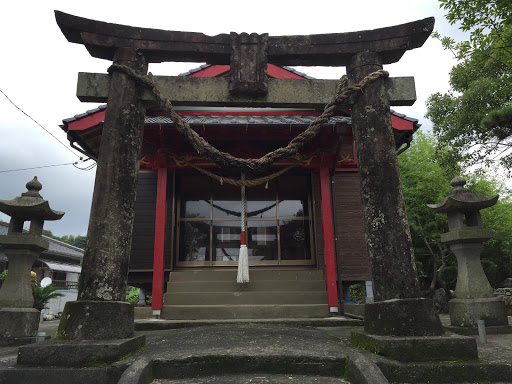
465,312
96,320
78,353
18,325
402,317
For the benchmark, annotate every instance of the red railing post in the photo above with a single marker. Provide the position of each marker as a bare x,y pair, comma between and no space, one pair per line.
158,259
330,268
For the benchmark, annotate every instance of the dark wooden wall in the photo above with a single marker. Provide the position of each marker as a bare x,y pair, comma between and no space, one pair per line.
352,262
352,254
143,238
144,223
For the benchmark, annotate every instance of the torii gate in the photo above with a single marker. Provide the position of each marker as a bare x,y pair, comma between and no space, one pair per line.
102,283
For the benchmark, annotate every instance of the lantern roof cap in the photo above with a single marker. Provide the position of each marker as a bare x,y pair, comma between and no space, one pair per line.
462,199
30,204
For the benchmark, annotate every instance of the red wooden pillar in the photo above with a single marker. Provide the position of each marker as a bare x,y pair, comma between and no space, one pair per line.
158,259
330,269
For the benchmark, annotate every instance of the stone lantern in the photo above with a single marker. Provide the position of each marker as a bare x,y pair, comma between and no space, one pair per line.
473,294
18,320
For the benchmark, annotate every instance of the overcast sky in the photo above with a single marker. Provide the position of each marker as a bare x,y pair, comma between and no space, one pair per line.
38,72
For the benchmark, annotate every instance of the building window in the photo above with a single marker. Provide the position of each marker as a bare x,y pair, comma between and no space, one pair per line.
279,228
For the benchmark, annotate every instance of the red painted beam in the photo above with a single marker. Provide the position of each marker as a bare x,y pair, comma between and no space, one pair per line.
401,124
330,269
87,121
158,259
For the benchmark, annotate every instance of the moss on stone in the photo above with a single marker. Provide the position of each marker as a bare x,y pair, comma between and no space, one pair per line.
361,341
124,357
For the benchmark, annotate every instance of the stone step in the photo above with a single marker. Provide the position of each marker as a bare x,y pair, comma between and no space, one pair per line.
45,375
253,285
256,378
256,274
191,312
257,297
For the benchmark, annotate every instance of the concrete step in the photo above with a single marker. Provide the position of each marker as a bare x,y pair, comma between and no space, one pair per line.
44,375
255,297
255,274
255,378
253,285
191,312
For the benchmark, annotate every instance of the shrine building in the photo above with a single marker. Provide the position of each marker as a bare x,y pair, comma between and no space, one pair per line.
305,233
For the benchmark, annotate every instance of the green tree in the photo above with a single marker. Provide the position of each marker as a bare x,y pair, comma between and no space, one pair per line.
77,241
426,180
475,116
498,250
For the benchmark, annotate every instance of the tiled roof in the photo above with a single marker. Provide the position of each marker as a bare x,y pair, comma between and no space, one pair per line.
86,113
56,247
207,119
245,119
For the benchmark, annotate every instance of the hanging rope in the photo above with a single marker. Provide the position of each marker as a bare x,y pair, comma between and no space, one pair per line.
243,257
235,182
224,159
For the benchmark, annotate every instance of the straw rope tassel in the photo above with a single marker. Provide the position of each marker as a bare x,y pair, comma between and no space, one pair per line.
243,257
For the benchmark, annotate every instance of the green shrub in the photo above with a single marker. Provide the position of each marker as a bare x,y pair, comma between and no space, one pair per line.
3,274
132,295
449,275
491,271
149,300
42,295
357,292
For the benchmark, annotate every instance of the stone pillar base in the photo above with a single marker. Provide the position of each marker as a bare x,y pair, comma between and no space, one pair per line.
96,320
402,317
465,312
18,325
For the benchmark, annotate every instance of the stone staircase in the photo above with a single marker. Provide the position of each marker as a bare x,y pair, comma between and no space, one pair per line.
270,294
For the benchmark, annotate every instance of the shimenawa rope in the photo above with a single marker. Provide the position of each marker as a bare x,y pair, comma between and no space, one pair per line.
224,159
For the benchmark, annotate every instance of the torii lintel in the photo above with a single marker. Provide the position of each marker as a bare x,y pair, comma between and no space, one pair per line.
103,39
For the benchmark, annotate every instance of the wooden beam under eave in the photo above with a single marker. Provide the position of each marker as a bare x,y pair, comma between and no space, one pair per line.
214,91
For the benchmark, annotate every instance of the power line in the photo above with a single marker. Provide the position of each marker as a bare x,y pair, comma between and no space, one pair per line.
54,165
31,118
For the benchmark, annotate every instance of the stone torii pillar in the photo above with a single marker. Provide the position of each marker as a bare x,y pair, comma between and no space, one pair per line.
398,309
101,311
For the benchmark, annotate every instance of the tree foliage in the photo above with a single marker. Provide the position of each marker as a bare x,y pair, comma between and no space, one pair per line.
77,241
426,180
475,116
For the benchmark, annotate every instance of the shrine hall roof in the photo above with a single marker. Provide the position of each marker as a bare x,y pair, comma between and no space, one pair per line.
236,118
204,66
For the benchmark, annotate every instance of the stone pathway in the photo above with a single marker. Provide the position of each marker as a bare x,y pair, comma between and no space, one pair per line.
222,352
256,379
